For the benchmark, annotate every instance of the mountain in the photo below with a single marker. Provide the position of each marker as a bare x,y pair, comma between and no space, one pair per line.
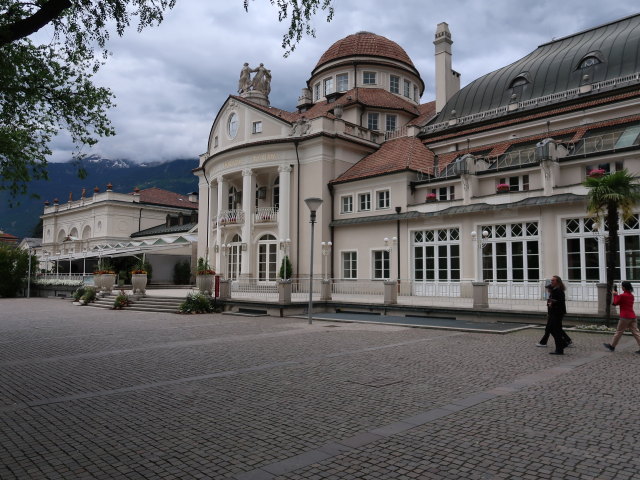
20,220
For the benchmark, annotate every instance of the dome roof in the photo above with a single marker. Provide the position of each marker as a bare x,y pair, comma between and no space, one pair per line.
365,44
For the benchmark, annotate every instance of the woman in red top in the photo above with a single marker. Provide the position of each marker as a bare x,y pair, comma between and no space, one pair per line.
627,316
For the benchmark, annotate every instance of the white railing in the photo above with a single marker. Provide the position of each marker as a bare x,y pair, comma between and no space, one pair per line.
65,276
231,217
265,215
400,132
252,287
364,133
434,289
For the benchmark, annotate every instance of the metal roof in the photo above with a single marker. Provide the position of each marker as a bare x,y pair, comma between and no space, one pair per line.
553,68
162,229
462,209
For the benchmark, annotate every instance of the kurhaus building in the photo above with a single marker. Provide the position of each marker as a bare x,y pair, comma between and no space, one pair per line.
485,182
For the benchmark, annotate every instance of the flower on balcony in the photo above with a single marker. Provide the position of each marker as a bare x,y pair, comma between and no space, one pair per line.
503,187
138,272
431,197
597,173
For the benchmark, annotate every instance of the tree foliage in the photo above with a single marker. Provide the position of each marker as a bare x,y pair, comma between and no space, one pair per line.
14,268
610,197
299,13
48,88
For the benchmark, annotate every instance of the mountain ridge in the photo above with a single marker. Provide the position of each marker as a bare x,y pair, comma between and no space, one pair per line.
124,174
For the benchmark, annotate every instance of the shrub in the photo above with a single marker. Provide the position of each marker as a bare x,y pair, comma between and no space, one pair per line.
89,295
285,268
182,273
14,268
121,301
77,295
204,268
197,303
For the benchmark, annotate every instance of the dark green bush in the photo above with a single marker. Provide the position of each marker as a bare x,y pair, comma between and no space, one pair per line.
77,295
121,301
182,273
89,294
14,268
285,268
197,303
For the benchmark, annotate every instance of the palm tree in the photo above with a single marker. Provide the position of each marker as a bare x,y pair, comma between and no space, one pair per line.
609,197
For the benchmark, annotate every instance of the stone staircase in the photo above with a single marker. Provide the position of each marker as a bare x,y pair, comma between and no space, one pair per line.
142,304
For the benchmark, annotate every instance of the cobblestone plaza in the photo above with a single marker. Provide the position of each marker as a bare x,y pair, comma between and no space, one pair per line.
90,393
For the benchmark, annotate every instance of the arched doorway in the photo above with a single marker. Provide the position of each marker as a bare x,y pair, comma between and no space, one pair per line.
234,258
267,258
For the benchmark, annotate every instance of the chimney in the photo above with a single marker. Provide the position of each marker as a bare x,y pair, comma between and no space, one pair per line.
447,80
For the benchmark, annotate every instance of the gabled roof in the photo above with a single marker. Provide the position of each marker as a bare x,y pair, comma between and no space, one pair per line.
158,196
400,154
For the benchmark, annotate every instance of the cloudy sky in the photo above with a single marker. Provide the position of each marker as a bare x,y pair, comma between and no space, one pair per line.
170,81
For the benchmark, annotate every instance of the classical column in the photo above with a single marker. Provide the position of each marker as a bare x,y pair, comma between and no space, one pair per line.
221,205
284,209
211,223
248,201
203,221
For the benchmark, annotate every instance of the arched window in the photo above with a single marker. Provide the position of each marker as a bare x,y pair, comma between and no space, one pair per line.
233,198
86,232
234,257
267,258
520,80
590,59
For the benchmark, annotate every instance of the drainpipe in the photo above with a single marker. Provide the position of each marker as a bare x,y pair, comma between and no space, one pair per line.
139,219
295,143
331,232
398,209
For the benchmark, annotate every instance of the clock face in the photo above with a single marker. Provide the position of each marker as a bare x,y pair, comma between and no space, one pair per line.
232,125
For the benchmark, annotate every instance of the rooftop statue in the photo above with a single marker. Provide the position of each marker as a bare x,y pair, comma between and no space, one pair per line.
261,82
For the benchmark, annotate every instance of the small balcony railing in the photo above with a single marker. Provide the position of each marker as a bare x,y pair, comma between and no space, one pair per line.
265,215
231,217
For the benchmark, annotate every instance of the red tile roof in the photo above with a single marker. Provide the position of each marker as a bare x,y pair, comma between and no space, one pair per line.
404,153
365,43
426,112
8,238
159,196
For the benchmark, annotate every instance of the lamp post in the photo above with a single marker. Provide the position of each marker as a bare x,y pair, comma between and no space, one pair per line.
326,250
313,204
480,244
84,262
389,243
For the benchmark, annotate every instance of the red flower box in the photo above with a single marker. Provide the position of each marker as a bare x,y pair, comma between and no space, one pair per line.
431,197
597,173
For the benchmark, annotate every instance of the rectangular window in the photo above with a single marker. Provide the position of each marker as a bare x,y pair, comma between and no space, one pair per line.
436,255
372,121
369,78
328,86
350,265
516,184
346,204
444,193
342,82
407,88
364,202
257,127
380,262
391,122
416,95
382,199
215,141
316,92
512,253
394,84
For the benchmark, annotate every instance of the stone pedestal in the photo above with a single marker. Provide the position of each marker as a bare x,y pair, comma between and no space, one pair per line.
225,290
602,298
325,291
139,283
284,291
480,295
205,284
390,292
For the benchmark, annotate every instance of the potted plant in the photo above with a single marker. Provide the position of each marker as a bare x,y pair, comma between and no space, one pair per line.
139,279
121,301
503,187
431,197
204,277
104,276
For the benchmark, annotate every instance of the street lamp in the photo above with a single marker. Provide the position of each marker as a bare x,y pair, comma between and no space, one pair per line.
313,204
480,243
326,250
84,262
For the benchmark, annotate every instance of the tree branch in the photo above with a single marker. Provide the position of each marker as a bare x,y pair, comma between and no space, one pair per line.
23,28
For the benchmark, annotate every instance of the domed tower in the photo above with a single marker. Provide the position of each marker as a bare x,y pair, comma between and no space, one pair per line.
363,60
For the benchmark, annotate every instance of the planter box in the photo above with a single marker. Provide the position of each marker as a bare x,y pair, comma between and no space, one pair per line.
205,283
139,283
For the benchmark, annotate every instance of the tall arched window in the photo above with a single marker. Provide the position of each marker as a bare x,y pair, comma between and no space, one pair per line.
234,258
267,258
232,202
